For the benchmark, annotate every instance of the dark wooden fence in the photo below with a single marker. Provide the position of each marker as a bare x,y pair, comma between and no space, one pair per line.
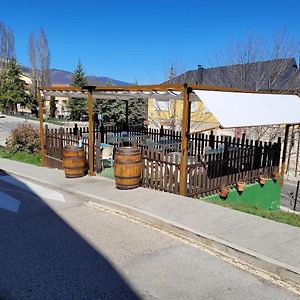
238,161
213,161
57,139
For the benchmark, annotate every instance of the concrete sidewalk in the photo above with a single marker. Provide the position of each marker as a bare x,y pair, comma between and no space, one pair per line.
264,244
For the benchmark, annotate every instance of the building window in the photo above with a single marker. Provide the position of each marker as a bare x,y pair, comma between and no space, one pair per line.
161,105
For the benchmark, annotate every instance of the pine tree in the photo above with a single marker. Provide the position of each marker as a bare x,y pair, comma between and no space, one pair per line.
78,106
79,78
137,111
114,111
12,87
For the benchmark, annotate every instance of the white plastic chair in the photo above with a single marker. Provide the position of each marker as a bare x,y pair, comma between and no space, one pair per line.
107,155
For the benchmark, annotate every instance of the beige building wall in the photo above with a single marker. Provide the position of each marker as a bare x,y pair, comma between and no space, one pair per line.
169,113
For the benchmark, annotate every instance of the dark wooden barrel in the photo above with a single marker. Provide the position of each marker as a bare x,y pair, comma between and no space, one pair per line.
128,168
74,161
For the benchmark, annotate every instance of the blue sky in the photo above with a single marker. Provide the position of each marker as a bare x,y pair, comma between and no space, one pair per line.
139,40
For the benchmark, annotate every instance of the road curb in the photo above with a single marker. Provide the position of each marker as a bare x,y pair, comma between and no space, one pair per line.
278,269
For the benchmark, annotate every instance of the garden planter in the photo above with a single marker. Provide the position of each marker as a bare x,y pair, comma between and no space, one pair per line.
128,168
240,186
224,190
74,161
275,175
262,179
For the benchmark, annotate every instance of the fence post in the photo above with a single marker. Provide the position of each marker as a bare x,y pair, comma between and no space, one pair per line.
161,131
98,157
102,133
211,142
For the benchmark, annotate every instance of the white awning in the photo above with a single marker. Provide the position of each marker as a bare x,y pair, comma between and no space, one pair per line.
114,95
236,109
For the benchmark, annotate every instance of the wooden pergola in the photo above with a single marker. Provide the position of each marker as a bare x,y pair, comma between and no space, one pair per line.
182,92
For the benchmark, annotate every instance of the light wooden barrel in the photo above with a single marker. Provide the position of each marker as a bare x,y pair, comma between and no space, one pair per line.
74,161
128,168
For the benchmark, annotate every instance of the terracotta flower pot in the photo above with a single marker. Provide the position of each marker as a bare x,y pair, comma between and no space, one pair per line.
275,175
263,179
224,190
240,186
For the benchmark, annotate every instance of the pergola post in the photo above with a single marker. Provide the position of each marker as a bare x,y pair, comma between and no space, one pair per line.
283,161
42,134
91,135
183,163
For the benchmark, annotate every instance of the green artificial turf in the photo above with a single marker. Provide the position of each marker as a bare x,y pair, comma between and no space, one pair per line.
108,172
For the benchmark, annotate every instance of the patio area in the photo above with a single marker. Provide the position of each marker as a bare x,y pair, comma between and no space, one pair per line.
183,163
212,161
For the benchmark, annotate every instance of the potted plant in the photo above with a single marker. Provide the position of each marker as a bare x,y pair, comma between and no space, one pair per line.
240,185
224,190
263,179
276,174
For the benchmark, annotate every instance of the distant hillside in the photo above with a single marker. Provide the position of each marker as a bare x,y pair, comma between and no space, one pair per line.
65,77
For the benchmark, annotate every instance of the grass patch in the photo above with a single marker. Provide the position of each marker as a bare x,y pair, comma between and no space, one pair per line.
34,159
278,216
54,121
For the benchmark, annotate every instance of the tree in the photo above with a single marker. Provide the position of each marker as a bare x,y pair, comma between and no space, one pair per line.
137,111
114,111
10,43
12,87
39,61
79,78
32,62
77,106
7,45
44,58
52,107
3,50
255,63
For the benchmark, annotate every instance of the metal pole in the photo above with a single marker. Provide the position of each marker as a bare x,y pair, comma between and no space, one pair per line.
91,137
183,163
290,150
297,153
42,135
296,196
283,161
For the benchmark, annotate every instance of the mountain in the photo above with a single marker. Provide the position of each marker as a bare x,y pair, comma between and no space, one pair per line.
65,77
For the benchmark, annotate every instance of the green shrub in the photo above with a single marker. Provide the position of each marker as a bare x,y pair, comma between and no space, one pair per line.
24,138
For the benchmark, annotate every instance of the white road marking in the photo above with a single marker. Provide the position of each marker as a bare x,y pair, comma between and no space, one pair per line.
34,188
9,203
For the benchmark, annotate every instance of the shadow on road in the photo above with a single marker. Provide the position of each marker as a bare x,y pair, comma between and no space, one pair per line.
42,257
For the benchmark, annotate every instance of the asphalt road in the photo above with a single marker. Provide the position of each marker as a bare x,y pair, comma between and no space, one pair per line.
8,123
288,194
56,246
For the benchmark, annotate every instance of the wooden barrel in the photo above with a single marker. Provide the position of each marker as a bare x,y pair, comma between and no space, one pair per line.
127,167
74,161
